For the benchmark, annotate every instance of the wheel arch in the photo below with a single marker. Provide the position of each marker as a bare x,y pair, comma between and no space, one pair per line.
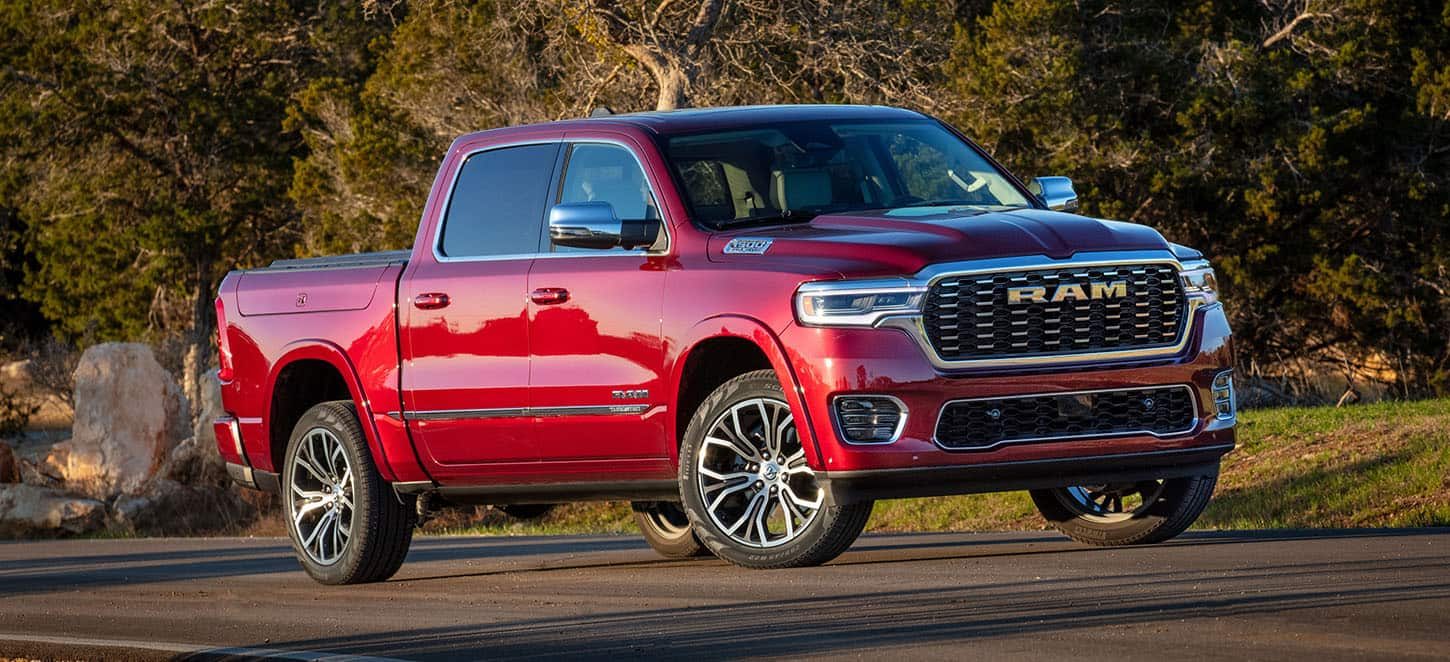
310,372
749,345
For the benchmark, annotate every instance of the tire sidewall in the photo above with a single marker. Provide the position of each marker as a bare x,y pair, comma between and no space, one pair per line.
669,544
1149,526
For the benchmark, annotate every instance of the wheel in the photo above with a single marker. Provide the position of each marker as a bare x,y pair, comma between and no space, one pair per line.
347,525
667,529
746,486
526,511
1126,513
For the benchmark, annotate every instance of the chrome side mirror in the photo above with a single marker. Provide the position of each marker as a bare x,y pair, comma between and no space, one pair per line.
594,225
1055,192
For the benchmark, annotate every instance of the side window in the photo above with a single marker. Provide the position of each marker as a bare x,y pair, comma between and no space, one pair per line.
598,172
497,206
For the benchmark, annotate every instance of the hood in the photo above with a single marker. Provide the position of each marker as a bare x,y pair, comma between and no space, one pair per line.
902,241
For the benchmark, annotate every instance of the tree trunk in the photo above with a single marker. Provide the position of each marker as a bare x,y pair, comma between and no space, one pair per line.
200,355
671,78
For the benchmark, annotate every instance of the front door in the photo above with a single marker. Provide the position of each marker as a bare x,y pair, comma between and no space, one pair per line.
465,339
597,381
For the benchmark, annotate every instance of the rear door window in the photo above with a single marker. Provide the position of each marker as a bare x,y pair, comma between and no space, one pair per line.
498,200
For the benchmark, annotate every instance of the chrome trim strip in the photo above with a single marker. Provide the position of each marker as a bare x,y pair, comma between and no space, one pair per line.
1192,425
236,429
524,412
914,324
900,425
564,142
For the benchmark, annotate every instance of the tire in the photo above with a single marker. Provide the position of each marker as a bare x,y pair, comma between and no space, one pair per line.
379,522
667,529
526,511
739,482
1167,508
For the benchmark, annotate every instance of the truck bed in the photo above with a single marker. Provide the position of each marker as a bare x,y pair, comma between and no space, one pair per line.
356,260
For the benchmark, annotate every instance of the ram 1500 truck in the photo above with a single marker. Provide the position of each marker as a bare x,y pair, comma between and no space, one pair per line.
749,322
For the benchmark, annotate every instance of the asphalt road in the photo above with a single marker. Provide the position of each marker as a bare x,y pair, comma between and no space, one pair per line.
1321,595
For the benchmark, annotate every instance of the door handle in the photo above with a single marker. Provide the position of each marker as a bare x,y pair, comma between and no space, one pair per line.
431,301
547,296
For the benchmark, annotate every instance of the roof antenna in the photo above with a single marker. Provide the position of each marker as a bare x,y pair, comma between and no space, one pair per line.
602,111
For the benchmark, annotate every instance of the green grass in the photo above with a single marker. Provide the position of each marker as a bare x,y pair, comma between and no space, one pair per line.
1377,465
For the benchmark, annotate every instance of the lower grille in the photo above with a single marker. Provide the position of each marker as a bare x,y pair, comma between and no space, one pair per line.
978,424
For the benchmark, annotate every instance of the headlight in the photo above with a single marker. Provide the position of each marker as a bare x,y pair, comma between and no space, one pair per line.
1199,281
856,303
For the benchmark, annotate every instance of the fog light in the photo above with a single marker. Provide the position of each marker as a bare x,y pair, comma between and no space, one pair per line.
1223,394
870,419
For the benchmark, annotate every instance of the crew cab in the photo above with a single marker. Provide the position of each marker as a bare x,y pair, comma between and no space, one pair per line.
751,323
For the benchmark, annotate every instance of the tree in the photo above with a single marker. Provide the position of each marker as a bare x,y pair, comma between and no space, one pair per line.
1284,138
456,67
149,145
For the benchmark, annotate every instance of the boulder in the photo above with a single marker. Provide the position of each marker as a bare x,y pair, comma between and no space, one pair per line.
208,407
129,415
30,509
166,507
197,463
9,465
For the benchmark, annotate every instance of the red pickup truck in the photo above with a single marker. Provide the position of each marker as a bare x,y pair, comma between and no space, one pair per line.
749,322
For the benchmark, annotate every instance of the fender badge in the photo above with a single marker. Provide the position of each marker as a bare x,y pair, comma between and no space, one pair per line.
748,246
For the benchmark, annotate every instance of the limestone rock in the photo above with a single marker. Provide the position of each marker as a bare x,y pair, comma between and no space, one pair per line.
30,509
208,407
129,415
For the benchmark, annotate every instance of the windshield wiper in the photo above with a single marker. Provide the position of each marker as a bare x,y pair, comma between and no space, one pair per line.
788,216
941,203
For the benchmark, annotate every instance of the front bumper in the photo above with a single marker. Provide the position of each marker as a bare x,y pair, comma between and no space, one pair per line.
834,362
869,485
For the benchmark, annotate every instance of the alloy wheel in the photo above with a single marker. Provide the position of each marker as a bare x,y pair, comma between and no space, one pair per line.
1111,503
321,496
753,476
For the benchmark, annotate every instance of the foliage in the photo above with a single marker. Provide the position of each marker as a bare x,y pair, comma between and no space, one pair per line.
1301,144
15,412
52,368
149,144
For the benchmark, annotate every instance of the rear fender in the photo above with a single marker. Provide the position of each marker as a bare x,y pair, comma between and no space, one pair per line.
322,350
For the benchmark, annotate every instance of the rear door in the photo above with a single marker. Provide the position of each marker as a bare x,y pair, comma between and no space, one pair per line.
465,327
598,383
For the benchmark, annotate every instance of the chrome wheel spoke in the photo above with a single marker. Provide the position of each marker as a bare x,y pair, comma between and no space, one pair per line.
733,447
1111,503
751,469
726,492
755,500
795,499
321,503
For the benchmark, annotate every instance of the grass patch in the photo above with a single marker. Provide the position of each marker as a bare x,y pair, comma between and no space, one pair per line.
1376,465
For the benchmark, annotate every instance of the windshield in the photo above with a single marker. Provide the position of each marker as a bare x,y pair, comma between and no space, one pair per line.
794,171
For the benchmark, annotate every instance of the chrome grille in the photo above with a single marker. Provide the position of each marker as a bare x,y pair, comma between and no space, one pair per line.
968,317
979,424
